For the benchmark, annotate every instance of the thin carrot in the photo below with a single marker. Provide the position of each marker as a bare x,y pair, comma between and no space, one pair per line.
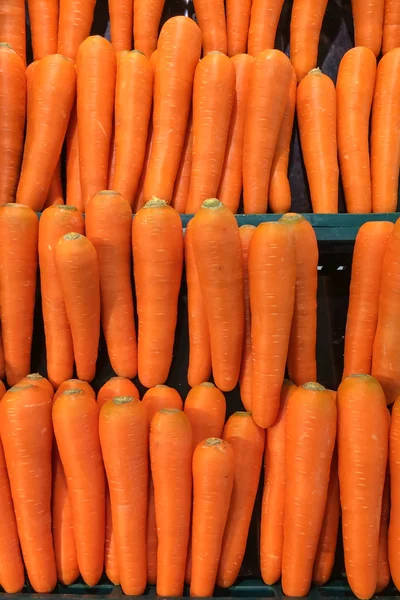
391,26
363,435
13,26
121,24
383,551
26,434
362,315
75,384
268,96
161,396
74,25
218,255
305,29
75,422
182,181
38,380
55,197
210,16
272,280
368,23
205,407
212,112
355,90
116,386
171,467
18,270
74,192
246,367
43,22
394,467
316,114
96,71
264,21
78,275
237,26
230,185
311,408
157,245
146,21
111,162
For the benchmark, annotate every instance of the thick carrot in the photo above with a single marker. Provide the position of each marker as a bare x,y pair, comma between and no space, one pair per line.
213,476
13,26
182,182
74,192
355,90
178,54
161,396
171,467
246,367
362,315
43,22
218,255
312,409
74,25
237,26
264,21
121,24
273,500
75,384
385,146
230,185
78,275
268,96
302,365
49,108
205,407
109,227
280,197
316,115
12,124
212,112
116,386
18,270
55,222
146,21
96,67
391,26
383,551
305,29
55,197
119,418
75,422
272,281
26,434
38,380
247,441
394,467
368,23
157,244
199,368
210,16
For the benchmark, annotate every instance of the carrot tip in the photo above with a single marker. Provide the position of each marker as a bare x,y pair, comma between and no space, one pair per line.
123,399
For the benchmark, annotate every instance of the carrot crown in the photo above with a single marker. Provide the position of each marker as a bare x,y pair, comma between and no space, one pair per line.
19,388
34,376
155,202
123,399
169,411
72,392
72,236
212,442
313,386
212,203
207,384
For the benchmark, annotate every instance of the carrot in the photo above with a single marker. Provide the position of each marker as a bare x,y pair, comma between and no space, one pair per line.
178,54
55,197
383,558
280,198
161,396
302,365
213,476
199,368
12,107
2,360
146,21
182,181
43,22
211,19
37,380
26,434
75,422
362,316
368,23
316,114
247,441
218,255
391,26
96,71
78,274
237,26
355,90
116,386
121,24
267,99
246,367
49,108
18,268
75,384
109,226
157,244
230,185
74,192
264,19
55,222
13,26
273,500
133,99
74,25
311,408
205,407
305,29
385,147
272,279
212,112
394,468
171,467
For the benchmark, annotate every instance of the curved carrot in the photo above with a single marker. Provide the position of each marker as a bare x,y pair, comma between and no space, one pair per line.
182,181
116,386
43,22
211,118
362,315
75,384
246,367
316,114
368,23
74,192
13,26
210,16
121,24
355,89
305,29
383,551
146,21
74,25
264,21
394,467
37,380
237,25
78,274
391,26
268,96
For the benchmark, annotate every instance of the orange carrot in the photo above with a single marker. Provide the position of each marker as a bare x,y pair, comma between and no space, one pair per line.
74,193
121,24
37,380
246,367
116,386
2,360
218,255
182,181
26,434
212,112
362,316
394,467
43,22
161,396
146,21
211,19
368,23
391,26
18,270
75,384
96,71
237,26
383,558
157,244
264,21
305,29
316,114
13,26
205,407
268,96
74,25
55,197
78,275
